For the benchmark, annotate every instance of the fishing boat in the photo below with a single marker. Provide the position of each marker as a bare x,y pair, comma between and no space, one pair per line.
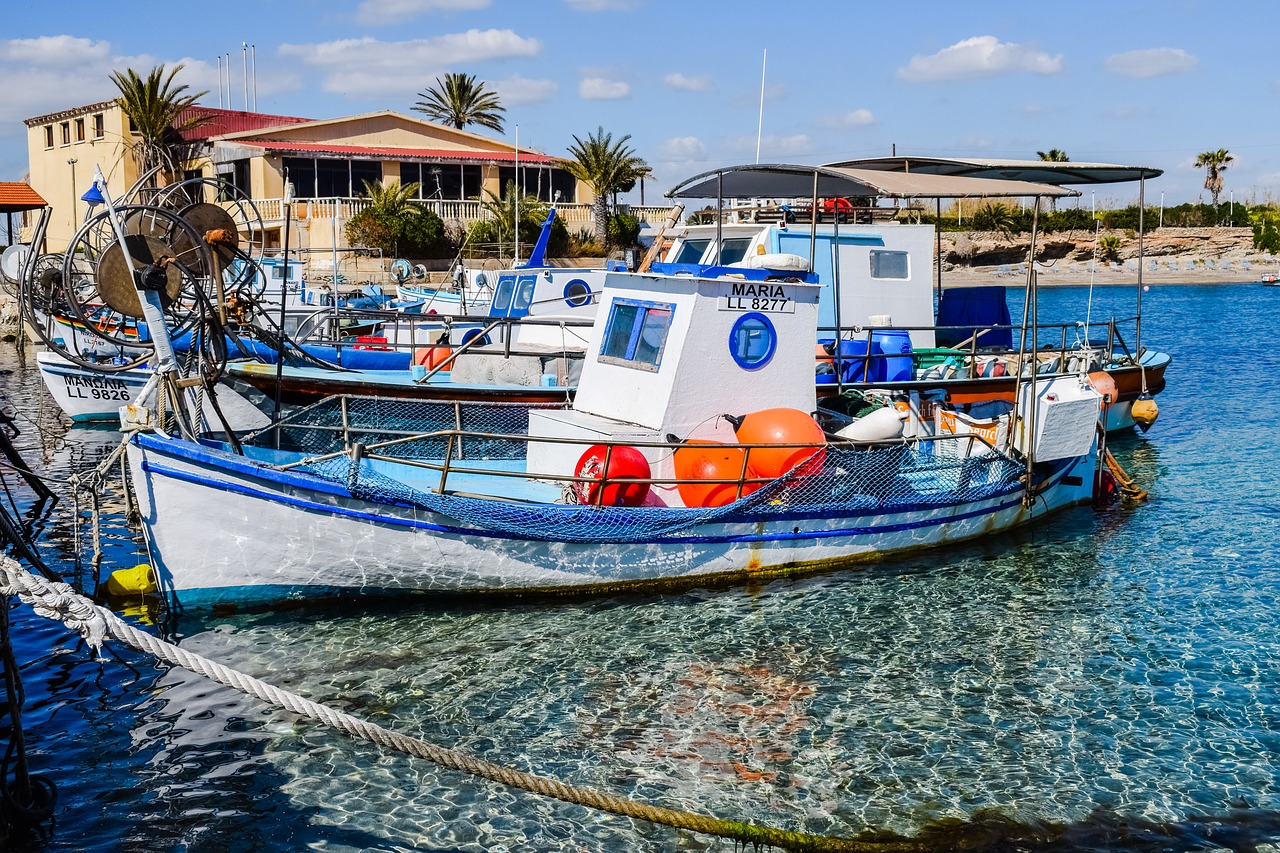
688,454
89,395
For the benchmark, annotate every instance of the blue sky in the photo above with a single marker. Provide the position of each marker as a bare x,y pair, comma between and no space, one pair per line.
1150,83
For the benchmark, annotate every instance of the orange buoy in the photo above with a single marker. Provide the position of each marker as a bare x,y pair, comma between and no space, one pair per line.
431,357
709,460
626,464
780,426
1105,385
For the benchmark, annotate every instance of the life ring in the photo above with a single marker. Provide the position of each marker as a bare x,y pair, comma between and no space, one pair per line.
471,334
401,270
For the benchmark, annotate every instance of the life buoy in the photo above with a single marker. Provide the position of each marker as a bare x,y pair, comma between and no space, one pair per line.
625,464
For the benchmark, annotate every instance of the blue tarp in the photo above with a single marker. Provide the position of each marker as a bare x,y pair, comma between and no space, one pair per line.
970,309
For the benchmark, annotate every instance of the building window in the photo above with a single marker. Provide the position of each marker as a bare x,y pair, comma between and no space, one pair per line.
445,181
79,130
99,126
66,132
48,136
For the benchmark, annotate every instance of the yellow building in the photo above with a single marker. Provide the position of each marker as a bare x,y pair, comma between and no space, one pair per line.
321,164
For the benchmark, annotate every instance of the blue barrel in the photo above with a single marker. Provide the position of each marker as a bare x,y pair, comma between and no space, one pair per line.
896,345
854,366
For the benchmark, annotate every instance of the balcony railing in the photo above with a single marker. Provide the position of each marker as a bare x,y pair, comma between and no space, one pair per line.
574,215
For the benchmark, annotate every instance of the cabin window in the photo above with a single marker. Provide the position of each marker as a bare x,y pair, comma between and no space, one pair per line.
48,136
691,252
752,341
277,271
523,296
636,333
732,251
577,293
885,264
99,126
502,296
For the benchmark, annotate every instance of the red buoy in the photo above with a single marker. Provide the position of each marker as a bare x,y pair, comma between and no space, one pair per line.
780,426
626,464
709,460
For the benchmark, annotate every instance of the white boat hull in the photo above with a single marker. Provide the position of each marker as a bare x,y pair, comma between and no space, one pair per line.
88,396
227,531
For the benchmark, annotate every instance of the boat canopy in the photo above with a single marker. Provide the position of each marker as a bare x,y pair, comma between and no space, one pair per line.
796,181
1057,172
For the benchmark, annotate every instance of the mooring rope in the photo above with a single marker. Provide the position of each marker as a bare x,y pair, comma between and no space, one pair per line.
57,600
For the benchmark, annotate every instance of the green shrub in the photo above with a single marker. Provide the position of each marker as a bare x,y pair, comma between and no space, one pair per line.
419,234
622,231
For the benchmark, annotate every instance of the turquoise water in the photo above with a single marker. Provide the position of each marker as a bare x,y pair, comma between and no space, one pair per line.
1115,671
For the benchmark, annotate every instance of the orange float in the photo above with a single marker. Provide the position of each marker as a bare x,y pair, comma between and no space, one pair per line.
709,460
431,357
780,426
1105,385
625,464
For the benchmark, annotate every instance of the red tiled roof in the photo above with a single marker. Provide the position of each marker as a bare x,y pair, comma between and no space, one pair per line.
16,197
231,121
440,154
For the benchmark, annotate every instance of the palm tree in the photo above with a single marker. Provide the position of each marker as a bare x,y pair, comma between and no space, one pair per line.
458,100
1053,155
1214,164
154,107
394,199
607,167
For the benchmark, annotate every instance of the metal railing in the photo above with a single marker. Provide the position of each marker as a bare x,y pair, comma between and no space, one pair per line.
574,214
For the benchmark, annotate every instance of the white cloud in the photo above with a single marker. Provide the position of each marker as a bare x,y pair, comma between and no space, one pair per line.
521,90
1153,62
682,149
601,5
981,56
602,89
772,148
368,66
854,118
55,50
702,83
388,12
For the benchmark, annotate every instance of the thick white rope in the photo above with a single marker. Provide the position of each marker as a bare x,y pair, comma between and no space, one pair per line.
57,600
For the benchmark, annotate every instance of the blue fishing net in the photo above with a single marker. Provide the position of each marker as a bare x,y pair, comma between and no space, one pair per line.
844,481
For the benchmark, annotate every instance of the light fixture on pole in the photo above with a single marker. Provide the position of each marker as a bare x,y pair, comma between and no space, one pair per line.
71,161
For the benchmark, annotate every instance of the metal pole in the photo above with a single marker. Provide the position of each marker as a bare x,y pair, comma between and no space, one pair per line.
253,49
719,213
760,124
284,292
937,242
813,224
1142,188
219,81
516,261
244,47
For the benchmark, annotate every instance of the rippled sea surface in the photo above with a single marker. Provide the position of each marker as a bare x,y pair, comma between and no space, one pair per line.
1121,663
